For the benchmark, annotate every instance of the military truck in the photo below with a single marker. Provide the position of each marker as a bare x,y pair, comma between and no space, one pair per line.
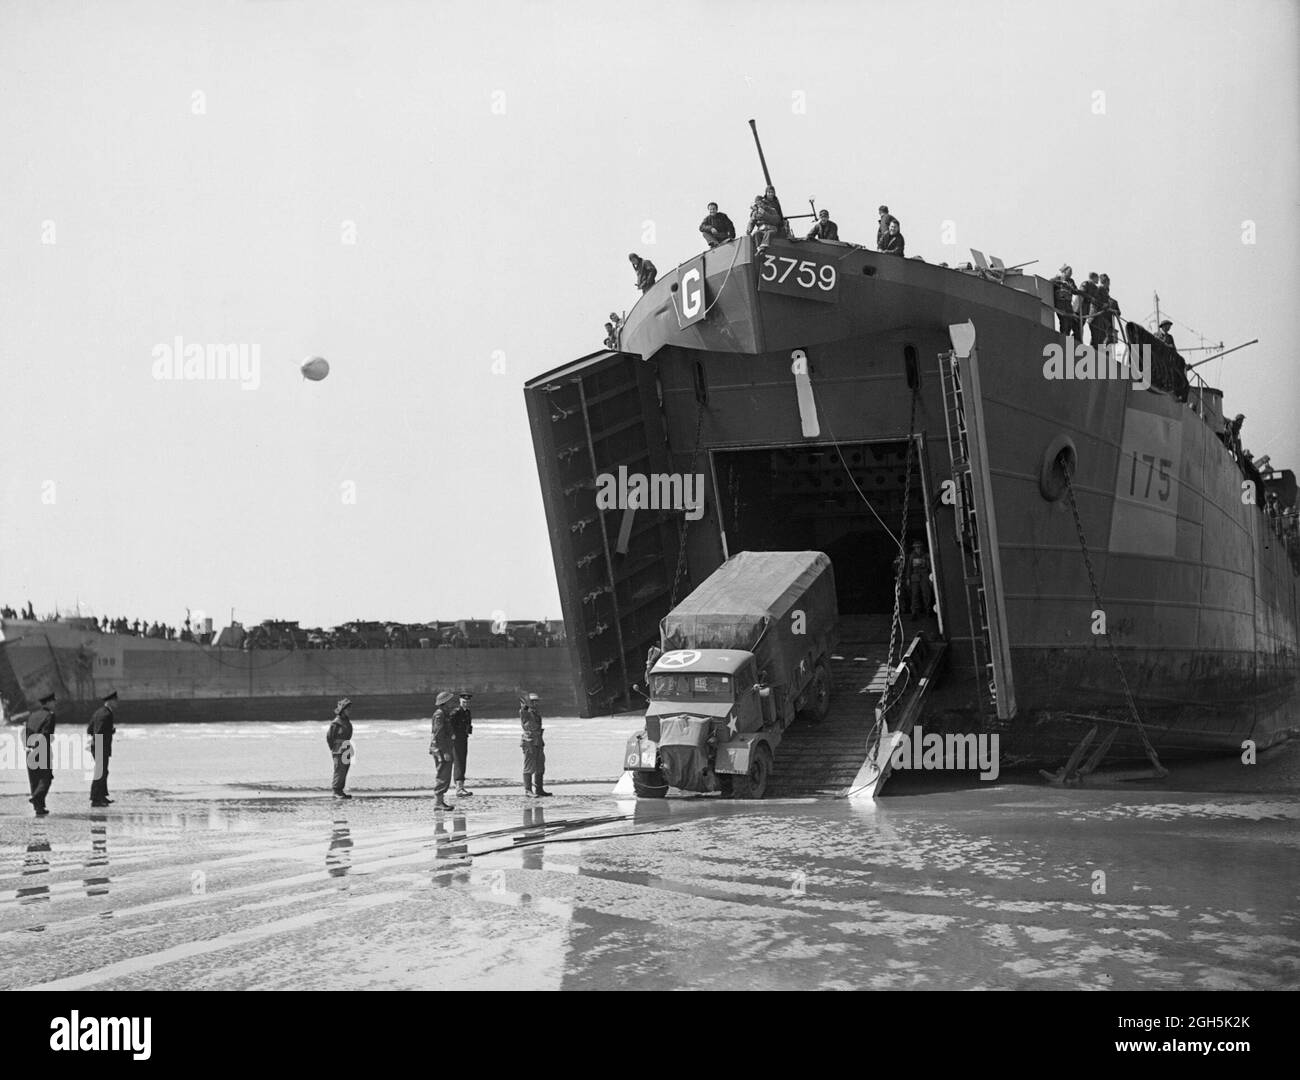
741,657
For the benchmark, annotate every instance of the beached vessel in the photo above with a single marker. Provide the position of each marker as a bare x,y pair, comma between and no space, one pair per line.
169,680
1107,570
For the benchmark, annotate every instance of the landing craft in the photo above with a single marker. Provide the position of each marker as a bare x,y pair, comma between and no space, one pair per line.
844,400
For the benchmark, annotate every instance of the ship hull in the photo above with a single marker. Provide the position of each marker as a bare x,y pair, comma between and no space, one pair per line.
1195,595
169,681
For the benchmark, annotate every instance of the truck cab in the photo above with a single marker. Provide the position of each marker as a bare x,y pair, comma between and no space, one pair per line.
710,726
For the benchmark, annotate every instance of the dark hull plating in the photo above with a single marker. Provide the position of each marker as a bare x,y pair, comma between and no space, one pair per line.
178,681
1200,599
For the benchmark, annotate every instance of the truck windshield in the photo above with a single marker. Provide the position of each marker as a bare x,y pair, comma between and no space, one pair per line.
690,687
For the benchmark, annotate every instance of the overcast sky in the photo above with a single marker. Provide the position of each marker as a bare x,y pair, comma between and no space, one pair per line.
440,199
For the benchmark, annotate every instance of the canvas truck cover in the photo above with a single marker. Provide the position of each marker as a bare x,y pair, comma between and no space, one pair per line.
755,591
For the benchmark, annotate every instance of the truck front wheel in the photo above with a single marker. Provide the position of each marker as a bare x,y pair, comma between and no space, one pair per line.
649,784
753,785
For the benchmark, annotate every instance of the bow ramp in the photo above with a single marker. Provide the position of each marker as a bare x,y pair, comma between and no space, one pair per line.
845,754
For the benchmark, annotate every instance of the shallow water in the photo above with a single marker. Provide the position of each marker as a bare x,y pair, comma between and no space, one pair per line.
220,866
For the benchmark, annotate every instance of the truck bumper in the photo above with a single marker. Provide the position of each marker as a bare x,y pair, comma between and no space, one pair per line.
734,756
640,753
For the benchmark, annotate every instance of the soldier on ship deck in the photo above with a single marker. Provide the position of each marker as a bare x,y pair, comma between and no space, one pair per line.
1113,314
1084,297
882,227
825,229
1063,293
765,217
894,243
1231,436
1099,323
645,271
717,228
1164,335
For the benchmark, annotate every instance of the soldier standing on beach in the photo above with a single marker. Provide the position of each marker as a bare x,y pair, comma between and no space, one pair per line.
339,739
534,746
38,736
100,731
442,747
462,727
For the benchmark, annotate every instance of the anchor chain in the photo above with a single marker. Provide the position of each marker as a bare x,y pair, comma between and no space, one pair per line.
1096,594
896,622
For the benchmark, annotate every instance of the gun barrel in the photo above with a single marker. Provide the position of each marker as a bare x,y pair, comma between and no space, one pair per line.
767,177
1225,353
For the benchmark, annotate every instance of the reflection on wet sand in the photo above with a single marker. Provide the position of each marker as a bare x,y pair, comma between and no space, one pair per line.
451,859
96,880
36,864
338,859
534,829
982,889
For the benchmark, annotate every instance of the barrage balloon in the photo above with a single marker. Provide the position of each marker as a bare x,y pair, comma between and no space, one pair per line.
315,368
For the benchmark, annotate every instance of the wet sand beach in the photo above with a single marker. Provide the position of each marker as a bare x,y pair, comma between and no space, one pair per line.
224,864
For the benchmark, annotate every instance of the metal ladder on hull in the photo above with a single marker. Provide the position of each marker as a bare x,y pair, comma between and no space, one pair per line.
968,535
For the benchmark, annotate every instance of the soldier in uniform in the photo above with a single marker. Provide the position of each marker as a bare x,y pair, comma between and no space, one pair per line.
1113,315
645,271
1099,324
38,736
1234,433
534,746
100,732
1083,301
825,229
894,242
1164,335
765,217
717,227
882,229
918,575
338,736
652,655
1063,290
462,727
442,747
